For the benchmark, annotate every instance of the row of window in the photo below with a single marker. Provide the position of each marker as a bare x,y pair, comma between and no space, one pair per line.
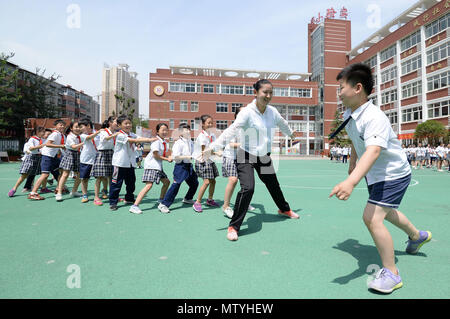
235,89
438,53
437,26
411,65
410,41
435,110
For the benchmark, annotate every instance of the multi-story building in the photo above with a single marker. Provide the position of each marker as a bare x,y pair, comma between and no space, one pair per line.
114,79
182,94
409,58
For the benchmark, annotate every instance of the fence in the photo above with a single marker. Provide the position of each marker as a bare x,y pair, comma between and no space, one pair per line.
6,145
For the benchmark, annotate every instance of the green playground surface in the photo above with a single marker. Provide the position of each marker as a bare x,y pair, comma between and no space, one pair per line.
48,247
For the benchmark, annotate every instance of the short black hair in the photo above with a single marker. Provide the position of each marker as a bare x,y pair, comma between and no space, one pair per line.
260,83
205,117
123,118
357,73
184,125
86,122
56,122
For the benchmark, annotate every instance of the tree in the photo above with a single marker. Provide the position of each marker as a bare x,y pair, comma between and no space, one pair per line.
9,92
126,105
431,130
342,137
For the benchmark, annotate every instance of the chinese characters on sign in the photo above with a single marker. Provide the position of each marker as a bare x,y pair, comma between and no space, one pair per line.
331,13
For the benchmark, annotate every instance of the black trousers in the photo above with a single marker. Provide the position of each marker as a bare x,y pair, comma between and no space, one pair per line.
247,164
121,174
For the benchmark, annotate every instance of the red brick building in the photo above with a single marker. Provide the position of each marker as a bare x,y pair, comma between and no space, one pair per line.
183,94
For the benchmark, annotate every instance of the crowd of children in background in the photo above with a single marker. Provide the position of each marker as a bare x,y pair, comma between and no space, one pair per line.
340,153
110,156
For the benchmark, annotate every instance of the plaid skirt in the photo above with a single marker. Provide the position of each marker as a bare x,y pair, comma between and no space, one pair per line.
206,170
229,167
153,176
31,164
103,164
70,161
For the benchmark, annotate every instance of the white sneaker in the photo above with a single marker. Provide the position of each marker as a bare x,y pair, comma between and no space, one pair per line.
228,212
58,197
251,208
76,194
135,209
163,208
188,201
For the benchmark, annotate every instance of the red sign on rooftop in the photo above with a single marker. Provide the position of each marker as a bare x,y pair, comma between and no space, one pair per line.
331,14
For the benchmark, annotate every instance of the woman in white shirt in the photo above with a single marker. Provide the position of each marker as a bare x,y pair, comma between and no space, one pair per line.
256,124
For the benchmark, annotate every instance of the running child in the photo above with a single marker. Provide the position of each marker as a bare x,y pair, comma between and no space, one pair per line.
205,169
385,167
153,167
31,164
182,171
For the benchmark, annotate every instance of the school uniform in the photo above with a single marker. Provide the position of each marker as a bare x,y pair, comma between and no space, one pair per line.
153,169
390,175
87,156
103,159
205,169
182,171
31,162
256,132
229,168
49,160
71,158
124,164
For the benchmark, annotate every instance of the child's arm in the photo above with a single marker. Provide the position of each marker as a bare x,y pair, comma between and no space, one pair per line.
111,136
235,145
142,140
161,158
90,137
37,147
77,146
353,159
183,157
344,189
51,145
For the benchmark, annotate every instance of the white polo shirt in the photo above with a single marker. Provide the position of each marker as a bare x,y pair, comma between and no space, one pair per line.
370,126
203,139
32,142
58,139
89,150
105,144
71,140
124,153
258,129
182,147
230,152
157,146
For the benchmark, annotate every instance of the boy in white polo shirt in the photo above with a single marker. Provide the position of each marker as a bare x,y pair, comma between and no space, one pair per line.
385,167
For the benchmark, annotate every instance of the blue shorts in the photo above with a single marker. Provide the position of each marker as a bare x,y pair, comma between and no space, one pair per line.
85,170
389,193
49,164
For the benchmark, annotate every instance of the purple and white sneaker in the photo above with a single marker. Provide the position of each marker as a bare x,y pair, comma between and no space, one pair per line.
211,202
414,245
385,281
11,193
197,207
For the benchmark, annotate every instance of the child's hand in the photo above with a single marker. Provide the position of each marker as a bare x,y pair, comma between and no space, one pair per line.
170,159
342,190
207,152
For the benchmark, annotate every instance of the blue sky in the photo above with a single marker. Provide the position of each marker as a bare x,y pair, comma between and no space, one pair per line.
247,34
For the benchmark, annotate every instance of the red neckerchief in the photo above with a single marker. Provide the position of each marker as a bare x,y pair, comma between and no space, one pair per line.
62,137
110,133
129,144
164,143
210,137
37,138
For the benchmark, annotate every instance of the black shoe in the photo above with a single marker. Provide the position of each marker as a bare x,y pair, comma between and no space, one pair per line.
113,207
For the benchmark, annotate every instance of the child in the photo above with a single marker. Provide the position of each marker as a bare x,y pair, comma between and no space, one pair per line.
31,164
70,161
49,160
183,170
87,156
229,169
139,153
102,169
205,169
124,162
153,169
385,167
440,152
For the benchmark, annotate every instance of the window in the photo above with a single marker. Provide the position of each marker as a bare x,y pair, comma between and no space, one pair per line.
194,106
235,106
388,74
171,124
388,96
411,89
392,117
194,125
388,53
221,107
280,91
412,114
411,65
372,61
208,88
297,126
297,110
230,89
438,53
410,41
171,106
221,125
438,81
183,106
300,92
249,90
312,126
437,26
438,109
182,87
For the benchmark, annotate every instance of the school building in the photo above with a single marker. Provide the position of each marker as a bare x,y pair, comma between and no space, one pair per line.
181,94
